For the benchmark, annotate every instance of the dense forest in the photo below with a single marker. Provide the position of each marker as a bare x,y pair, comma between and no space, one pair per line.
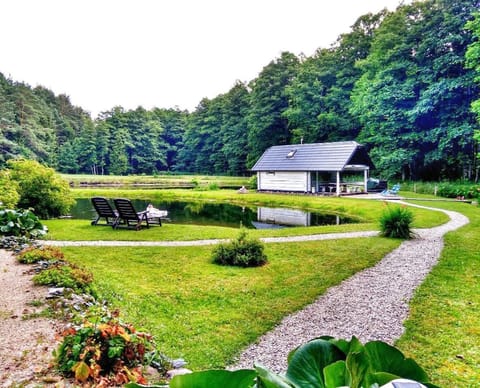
399,82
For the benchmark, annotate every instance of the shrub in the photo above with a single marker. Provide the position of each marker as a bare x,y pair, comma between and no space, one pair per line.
21,223
46,253
213,186
396,222
110,353
242,252
252,182
9,195
62,274
40,188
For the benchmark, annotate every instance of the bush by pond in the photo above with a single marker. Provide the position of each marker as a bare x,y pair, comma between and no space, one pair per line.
40,188
241,252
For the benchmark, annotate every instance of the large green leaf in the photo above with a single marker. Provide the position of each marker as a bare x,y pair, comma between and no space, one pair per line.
268,379
354,345
306,365
244,378
358,368
336,375
388,359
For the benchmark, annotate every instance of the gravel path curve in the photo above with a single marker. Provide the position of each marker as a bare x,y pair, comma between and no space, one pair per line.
313,237
371,305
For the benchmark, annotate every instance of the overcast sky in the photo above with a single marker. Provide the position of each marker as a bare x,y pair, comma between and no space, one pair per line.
161,53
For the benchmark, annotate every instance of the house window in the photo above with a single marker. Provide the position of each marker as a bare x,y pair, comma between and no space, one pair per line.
291,154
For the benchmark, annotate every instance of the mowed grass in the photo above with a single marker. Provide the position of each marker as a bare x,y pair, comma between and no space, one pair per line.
207,313
443,330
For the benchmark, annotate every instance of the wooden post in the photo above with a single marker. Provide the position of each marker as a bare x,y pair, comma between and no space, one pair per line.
338,183
365,180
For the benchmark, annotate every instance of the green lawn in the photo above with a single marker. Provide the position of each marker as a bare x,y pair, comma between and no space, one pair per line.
207,313
443,331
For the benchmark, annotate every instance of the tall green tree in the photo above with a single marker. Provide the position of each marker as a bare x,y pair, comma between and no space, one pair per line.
267,125
319,96
414,94
473,62
235,129
173,122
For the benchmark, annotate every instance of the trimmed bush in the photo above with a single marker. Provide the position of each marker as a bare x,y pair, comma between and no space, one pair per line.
396,222
241,252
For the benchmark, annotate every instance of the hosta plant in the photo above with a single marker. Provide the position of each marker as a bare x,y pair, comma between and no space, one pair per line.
21,223
324,362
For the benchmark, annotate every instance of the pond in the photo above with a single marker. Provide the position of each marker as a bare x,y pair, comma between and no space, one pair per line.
221,214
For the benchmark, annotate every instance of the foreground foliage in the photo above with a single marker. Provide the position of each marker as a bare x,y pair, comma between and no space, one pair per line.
107,353
324,362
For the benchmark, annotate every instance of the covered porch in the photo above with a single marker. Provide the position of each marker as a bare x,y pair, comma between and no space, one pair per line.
352,179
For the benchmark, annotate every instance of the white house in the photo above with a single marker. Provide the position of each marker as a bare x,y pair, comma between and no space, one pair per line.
315,168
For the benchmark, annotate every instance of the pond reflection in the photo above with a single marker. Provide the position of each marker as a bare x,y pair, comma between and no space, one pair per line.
221,214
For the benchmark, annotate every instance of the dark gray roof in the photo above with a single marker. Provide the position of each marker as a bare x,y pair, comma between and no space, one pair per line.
336,156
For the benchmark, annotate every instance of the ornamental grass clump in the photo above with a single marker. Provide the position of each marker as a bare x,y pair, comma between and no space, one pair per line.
241,252
396,222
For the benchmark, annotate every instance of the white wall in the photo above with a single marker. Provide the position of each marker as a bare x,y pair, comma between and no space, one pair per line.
283,216
283,181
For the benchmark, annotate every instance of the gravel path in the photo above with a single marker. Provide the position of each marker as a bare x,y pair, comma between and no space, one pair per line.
26,344
313,237
371,305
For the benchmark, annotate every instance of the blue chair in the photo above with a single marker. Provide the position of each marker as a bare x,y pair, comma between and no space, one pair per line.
393,191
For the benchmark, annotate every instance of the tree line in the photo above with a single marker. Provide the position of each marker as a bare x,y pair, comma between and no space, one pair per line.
399,82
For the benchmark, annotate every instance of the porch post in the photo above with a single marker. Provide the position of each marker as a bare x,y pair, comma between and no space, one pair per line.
365,179
338,183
